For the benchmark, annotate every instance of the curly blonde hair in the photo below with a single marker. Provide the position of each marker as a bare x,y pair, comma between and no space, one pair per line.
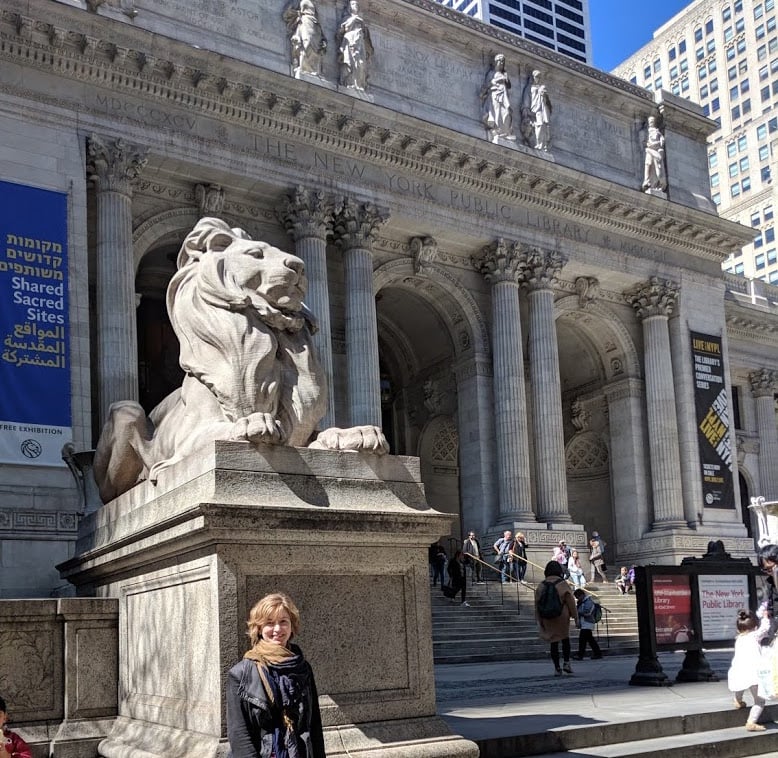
266,610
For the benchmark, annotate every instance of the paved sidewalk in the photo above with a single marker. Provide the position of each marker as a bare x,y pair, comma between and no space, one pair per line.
492,700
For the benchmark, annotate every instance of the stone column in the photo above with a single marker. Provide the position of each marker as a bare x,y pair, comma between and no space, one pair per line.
629,483
113,166
355,227
307,217
764,385
500,264
653,302
475,413
541,269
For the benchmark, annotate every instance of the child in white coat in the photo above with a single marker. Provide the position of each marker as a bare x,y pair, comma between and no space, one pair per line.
745,662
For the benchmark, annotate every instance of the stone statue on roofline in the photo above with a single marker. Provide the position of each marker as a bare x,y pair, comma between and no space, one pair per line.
251,373
654,170
536,113
497,113
307,40
355,48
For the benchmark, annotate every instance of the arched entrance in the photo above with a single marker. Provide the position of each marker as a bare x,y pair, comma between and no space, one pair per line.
417,356
426,326
595,351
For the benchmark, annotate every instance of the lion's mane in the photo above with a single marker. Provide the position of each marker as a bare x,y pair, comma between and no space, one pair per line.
247,362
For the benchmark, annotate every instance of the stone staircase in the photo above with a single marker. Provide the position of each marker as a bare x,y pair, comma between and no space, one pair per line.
500,624
716,734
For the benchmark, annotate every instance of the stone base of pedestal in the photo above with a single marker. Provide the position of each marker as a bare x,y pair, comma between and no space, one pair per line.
671,546
345,535
409,738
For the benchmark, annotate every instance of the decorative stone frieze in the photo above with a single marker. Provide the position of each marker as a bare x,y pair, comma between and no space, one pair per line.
763,382
114,164
540,268
588,290
307,213
501,261
210,199
226,95
425,253
357,224
656,297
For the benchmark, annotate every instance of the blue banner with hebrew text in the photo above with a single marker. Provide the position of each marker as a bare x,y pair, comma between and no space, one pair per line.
35,413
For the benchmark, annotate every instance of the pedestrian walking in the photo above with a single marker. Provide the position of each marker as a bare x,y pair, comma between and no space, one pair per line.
586,624
554,608
746,660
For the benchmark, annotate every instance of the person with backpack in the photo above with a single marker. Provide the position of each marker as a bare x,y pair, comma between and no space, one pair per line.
554,608
588,612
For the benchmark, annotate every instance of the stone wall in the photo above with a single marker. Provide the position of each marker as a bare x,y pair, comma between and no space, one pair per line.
59,672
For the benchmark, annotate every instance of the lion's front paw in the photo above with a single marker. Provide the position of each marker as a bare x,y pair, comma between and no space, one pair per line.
366,439
258,427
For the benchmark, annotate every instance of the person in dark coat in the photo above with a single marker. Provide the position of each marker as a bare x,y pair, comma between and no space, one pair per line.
471,547
439,565
272,702
456,576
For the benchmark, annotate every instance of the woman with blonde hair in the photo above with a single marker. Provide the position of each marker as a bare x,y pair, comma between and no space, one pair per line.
272,703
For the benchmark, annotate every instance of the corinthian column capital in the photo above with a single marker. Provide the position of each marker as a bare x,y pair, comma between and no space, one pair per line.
356,225
763,382
498,262
656,297
540,268
306,213
113,164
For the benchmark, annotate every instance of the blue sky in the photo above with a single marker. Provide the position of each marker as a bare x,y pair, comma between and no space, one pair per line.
620,27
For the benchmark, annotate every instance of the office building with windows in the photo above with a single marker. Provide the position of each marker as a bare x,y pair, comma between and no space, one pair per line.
562,25
724,56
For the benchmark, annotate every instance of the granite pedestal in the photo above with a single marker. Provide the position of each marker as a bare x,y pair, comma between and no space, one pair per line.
345,534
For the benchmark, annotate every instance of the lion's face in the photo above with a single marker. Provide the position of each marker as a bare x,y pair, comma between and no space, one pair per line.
277,277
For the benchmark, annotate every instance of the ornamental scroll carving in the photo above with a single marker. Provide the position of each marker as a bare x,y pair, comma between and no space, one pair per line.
425,252
114,164
656,297
763,382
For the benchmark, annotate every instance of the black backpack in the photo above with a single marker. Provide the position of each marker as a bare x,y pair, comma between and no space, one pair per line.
549,603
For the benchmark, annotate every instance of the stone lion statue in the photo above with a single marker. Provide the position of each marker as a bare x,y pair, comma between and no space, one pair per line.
251,373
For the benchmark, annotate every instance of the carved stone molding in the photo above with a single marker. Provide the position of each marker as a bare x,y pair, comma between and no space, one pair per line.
588,290
656,297
624,389
114,164
501,261
210,199
307,213
540,268
425,252
763,382
356,224
53,47
20,523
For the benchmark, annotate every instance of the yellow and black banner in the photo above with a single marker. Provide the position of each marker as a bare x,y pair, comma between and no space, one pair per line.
711,402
